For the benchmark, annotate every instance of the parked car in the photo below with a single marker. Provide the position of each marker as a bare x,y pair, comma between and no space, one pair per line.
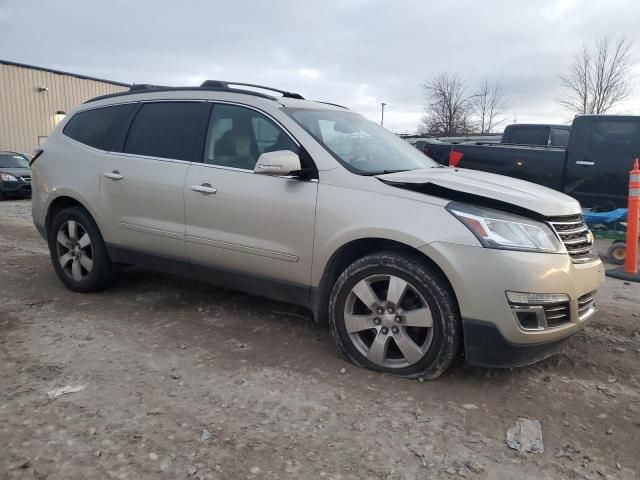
593,168
536,134
15,175
313,204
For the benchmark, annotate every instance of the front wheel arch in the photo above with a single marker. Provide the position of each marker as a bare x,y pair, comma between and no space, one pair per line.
349,253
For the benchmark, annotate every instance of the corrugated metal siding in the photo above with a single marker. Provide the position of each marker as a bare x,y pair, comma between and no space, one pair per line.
27,114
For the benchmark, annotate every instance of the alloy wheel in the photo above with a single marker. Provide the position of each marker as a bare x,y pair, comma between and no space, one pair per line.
388,321
74,250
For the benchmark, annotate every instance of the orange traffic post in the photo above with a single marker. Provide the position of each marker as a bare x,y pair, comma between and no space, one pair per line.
630,270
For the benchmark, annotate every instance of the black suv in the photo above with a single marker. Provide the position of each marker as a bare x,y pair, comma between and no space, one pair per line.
15,175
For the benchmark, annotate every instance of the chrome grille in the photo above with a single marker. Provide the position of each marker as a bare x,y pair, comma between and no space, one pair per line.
556,314
26,178
586,305
576,236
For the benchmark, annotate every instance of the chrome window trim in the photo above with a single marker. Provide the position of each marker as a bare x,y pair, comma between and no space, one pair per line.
243,170
149,157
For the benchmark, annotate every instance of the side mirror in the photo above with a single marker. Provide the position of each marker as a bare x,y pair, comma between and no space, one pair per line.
279,163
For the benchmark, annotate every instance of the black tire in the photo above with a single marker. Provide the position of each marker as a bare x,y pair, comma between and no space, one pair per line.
102,272
617,252
434,289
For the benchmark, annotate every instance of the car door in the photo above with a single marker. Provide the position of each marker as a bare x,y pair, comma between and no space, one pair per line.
242,225
600,157
142,186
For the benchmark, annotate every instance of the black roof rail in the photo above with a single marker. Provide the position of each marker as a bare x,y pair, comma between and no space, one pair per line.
155,88
208,85
144,86
224,85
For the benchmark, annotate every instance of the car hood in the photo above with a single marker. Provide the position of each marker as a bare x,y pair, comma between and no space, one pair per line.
495,188
16,172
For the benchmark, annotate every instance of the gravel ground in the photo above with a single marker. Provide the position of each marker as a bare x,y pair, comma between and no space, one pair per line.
185,380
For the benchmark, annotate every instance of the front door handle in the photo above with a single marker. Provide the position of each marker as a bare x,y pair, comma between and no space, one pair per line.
586,163
115,175
205,188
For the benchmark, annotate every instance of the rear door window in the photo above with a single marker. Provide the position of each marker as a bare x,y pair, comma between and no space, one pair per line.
613,137
100,128
528,136
174,130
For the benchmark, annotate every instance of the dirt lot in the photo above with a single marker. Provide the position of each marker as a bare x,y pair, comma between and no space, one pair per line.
185,380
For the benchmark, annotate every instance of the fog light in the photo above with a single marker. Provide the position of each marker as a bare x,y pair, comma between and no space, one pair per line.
529,320
536,298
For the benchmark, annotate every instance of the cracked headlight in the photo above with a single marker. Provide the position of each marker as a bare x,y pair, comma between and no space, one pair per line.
506,231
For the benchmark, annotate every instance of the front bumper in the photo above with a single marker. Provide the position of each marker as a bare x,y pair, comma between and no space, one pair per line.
16,189
480,278
486,347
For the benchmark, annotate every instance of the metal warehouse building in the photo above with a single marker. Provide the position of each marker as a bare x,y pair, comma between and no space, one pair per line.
34,99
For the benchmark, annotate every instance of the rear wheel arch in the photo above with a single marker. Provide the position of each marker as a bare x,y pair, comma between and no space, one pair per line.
61,203
354,250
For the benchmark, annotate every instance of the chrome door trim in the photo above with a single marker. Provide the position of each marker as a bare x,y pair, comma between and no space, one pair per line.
156,231
287,257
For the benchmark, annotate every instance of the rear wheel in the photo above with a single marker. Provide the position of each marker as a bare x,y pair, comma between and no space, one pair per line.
393,313
78,251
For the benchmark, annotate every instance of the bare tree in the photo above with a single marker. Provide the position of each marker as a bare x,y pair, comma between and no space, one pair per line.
447,110
599,77
489,104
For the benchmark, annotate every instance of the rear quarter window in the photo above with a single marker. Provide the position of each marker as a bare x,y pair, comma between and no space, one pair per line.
559,137
99,128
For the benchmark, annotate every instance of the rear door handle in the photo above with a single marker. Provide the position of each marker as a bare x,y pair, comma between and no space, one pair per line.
205,188
115,175
586,163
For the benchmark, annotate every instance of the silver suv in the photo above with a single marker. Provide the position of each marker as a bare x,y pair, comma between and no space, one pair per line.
410,263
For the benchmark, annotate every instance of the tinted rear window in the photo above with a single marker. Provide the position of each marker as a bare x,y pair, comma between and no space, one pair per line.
173,130
527,135
101,127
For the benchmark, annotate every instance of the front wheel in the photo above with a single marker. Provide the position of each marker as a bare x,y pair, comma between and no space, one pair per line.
78,252
393,313
617,252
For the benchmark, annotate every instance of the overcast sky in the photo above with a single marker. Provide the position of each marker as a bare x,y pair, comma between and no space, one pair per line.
354,52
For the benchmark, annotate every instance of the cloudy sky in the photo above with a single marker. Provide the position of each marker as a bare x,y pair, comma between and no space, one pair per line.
353,52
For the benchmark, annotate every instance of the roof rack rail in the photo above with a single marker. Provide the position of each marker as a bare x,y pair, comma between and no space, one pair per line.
224,85
211,85
144,86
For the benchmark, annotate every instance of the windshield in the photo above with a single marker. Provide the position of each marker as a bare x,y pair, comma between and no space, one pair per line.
360,145
10,160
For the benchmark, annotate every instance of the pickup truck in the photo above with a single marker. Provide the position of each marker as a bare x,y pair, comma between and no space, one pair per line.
593,168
